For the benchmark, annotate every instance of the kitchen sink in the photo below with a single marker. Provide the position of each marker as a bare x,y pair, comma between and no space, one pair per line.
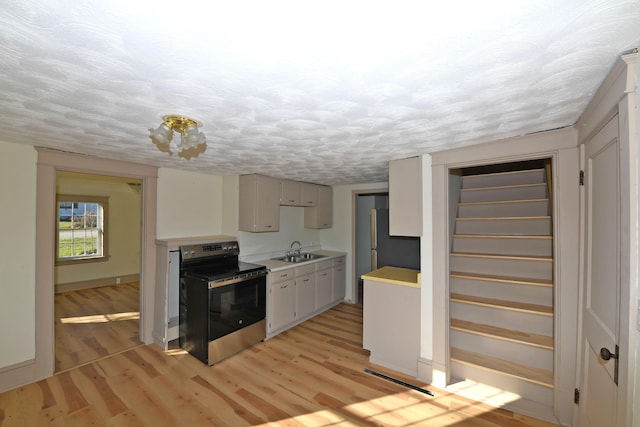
311,256
299,258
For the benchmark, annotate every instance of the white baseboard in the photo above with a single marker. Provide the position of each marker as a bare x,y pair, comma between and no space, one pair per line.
17,375
96,283
425,370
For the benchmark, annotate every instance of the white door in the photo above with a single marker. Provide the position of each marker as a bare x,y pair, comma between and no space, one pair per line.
601,298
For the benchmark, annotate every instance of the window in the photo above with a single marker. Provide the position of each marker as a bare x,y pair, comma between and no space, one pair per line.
81,229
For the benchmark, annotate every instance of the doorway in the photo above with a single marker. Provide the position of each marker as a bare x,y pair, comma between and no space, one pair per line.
501,287
363,201
559,146
49,162
97,299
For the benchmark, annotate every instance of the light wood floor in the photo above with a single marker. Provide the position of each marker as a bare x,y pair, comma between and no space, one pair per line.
94,323
311,375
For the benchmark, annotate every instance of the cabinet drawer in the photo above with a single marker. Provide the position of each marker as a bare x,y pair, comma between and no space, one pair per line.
324,265
338,261
305,269
282,275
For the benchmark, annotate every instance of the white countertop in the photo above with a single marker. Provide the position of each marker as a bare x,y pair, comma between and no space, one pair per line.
276,265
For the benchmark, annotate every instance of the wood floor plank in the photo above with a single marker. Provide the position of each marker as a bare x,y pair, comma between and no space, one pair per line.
93,323
311,375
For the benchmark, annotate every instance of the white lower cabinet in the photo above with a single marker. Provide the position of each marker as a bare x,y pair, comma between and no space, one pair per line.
339,279
281,300
305,291
324,276
298,293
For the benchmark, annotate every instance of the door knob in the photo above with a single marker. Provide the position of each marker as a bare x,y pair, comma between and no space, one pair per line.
606,354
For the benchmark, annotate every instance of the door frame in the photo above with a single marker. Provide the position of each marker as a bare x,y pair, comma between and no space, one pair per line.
618,95
562,148
354,236
49,162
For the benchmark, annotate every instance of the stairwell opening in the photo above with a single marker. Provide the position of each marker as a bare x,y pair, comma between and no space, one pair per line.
501,289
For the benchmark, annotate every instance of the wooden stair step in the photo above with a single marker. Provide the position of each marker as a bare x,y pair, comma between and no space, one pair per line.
503,236
510,207
525,176
542,310
505,225
504,192
535,245
531,374
503,218
539,267
502,279
493,202
502,256
528,338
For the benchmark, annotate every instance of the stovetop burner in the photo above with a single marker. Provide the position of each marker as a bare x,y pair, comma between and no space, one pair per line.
215,261
213,273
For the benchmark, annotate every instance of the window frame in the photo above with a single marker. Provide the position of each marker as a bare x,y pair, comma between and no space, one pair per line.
101,200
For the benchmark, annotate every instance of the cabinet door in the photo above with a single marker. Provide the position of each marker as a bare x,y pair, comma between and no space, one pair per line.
405,197
339,279
291,193
282,296
306,295
309,194
259,203
323,287
320,216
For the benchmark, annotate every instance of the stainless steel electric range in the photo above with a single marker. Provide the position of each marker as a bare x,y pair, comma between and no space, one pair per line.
222,304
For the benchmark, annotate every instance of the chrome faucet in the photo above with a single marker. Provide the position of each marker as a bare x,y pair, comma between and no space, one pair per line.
296,251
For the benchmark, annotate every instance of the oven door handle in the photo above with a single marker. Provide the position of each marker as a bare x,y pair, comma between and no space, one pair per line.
237,279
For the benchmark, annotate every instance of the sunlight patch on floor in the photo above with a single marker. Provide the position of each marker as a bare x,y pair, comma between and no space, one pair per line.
175,352
102,318
406,408
484,393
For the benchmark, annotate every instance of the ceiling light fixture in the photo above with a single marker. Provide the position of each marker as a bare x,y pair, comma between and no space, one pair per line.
188,129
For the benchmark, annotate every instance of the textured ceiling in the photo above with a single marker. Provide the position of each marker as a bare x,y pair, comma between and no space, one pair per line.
325,92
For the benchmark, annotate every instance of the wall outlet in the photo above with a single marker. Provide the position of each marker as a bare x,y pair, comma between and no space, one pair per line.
117,280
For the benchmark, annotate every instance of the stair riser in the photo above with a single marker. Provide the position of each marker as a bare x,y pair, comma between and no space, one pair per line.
503,246
508,193
500,179
525,389
503,267
500,226
511,351
520,293
501,318
511,209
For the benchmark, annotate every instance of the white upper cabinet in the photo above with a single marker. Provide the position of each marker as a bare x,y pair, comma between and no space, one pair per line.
291,194
259,203
261,196
309,194
405,197
320,216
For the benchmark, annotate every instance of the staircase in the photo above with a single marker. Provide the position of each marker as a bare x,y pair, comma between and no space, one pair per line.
501,284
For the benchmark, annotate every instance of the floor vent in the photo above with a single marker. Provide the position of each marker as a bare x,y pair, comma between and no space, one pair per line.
397,381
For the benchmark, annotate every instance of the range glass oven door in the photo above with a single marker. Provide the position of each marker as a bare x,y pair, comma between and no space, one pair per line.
233,306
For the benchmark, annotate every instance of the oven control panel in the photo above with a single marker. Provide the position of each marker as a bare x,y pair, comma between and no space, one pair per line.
209,250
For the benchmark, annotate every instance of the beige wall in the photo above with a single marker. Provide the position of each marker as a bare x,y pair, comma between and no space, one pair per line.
17,253
189,204
123,227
